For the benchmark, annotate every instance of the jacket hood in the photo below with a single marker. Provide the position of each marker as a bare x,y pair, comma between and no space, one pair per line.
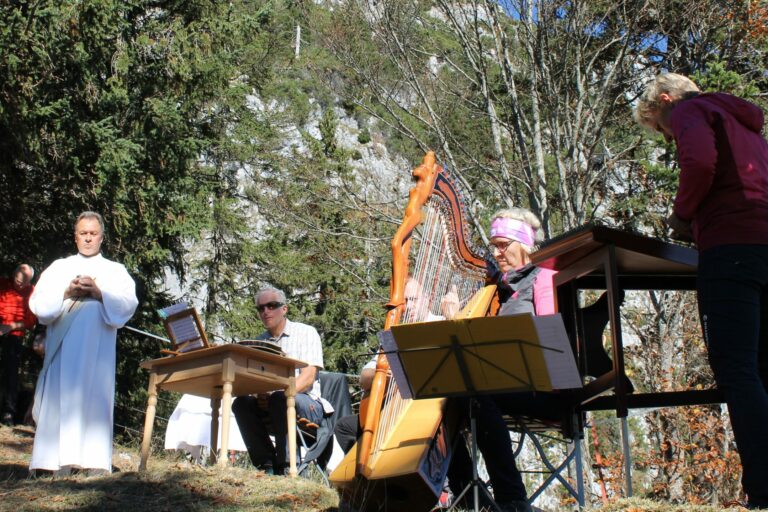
746,113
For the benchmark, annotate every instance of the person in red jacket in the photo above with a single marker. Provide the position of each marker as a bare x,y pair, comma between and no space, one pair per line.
722,204
15,318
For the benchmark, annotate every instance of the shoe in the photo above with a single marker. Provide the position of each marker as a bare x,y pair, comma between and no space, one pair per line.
40,473
7,419
266,468
736,504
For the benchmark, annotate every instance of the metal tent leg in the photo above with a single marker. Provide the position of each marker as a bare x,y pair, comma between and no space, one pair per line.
627,455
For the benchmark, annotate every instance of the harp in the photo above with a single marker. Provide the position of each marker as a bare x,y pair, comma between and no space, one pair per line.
401,458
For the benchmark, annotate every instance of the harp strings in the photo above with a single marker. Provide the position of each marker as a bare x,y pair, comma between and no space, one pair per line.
436,271
393,407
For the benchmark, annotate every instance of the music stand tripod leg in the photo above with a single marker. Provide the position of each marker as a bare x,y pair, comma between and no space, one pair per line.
476,484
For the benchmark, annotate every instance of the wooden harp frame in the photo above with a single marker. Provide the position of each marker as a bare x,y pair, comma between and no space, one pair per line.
431,180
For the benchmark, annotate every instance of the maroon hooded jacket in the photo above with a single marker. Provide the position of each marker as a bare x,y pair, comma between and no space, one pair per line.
723,169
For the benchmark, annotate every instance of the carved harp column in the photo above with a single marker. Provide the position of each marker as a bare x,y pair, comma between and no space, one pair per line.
431,257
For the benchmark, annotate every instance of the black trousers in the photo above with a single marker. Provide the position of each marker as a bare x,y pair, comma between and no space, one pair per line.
347,431
11,348
253,423
733,305
495,445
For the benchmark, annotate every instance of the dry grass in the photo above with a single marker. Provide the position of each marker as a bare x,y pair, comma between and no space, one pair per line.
175,485
168,485
643,505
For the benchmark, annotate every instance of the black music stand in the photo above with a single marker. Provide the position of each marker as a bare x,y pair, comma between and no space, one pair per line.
471,357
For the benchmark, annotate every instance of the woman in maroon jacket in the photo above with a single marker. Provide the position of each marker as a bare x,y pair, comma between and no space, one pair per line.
722,203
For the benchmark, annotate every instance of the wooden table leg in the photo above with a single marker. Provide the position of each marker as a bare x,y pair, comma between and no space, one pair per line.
149,420
290,399
226,412
215,404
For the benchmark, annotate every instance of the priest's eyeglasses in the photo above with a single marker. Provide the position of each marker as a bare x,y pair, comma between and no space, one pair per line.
270,306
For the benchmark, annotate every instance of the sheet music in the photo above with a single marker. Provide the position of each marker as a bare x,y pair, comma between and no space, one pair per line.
182,329
482,355
387,341
561,364
452,357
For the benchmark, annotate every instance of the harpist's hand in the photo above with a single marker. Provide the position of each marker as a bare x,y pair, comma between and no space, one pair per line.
492,273
449,304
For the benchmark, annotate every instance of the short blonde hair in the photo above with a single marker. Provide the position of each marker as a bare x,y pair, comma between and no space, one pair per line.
677,86
523,215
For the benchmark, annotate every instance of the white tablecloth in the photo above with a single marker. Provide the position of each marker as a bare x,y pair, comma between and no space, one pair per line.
189,427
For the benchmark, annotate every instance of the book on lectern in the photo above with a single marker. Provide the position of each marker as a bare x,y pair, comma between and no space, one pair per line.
502,354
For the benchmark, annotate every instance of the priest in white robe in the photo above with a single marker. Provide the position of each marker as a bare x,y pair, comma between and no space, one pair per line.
83,299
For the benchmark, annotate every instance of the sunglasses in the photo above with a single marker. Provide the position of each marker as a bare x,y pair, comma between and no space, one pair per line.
270,306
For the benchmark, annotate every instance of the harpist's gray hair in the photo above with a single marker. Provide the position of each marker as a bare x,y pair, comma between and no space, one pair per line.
523,215
90,215
280,294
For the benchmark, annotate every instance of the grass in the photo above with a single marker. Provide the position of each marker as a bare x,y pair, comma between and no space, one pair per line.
644,505
173,484
168,484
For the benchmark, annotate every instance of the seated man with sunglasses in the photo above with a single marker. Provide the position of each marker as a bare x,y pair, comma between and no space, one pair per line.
298,341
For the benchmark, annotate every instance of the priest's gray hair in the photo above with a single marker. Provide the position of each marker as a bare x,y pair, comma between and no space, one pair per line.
90,215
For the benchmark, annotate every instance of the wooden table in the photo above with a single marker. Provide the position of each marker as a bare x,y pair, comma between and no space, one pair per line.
598,257
219,373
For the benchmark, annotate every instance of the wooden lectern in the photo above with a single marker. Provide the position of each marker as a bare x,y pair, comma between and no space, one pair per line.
598,257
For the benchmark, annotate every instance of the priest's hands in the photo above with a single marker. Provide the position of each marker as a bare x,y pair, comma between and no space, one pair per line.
83,286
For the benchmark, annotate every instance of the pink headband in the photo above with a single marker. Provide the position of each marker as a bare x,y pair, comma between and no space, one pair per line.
514,230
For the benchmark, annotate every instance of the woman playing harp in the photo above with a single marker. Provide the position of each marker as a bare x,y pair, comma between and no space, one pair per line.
403,452
522,288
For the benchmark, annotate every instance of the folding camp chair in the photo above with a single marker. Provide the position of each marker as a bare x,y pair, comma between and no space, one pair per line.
555,417
317,440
